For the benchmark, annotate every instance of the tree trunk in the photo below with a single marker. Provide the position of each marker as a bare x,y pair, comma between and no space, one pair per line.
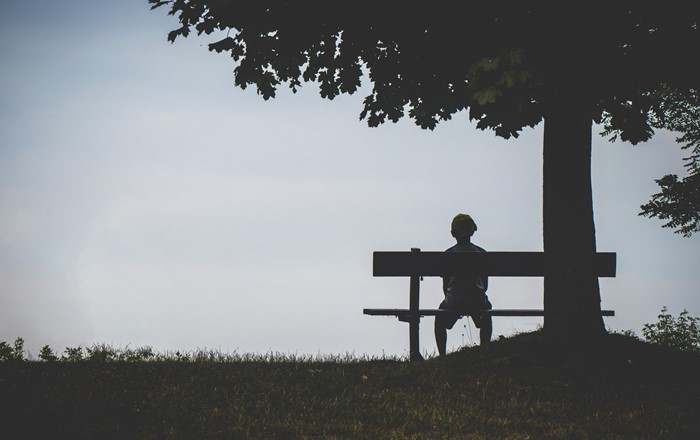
571,290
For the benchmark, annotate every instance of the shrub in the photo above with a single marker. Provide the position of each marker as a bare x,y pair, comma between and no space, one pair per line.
72,354
682,333
47,355
13,352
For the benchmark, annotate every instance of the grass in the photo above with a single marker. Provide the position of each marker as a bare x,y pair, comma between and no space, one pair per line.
522,387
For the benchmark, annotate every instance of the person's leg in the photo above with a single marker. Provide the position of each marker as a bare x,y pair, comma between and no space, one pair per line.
485,330
442,324
440,335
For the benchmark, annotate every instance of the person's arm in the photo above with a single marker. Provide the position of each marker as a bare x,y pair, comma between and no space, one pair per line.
446,278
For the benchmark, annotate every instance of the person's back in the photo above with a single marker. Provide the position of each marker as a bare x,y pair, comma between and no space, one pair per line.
464,292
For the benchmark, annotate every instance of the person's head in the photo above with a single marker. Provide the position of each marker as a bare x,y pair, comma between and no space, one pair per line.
463,227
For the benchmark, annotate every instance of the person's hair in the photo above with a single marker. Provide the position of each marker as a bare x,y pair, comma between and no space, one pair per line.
463,226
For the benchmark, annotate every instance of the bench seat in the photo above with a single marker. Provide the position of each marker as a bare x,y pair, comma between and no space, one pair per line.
401,313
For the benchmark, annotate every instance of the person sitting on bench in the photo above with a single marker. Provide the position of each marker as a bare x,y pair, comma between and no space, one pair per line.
464,292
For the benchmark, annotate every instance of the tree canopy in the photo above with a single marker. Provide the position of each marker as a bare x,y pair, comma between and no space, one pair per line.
629,64
679,200
508,65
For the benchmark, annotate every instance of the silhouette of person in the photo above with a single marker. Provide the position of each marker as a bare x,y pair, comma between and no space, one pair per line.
463,292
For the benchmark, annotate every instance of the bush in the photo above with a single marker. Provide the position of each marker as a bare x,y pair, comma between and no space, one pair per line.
13,352
682,333
72,354
47,355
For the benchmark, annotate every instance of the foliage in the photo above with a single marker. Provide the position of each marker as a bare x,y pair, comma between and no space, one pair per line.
515,388
507,67
104,353
627,333
72,354
46,354
14,352
500,66
679,200
682,333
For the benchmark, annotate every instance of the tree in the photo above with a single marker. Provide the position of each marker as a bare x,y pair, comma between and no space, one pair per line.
509,65
679,201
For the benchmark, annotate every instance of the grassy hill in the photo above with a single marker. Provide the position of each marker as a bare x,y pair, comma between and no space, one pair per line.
522,387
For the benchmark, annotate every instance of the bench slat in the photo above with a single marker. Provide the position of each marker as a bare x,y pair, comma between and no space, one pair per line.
514,264
493,312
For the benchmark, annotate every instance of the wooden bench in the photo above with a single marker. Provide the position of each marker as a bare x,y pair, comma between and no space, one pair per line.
417,264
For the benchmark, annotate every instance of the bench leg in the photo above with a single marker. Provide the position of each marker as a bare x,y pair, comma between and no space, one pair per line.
414,333
414,320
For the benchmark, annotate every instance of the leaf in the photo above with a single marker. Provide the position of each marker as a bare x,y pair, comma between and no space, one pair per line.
227,43
184,31
157,4
487,95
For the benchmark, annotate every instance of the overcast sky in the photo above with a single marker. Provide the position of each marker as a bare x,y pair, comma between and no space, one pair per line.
145,201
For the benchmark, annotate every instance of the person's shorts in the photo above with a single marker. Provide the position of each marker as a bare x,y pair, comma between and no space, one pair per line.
449,320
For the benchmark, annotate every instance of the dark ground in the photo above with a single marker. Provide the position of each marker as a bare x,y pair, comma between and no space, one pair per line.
523,387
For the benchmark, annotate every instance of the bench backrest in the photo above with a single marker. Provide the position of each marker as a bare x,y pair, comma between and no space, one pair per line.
513,264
